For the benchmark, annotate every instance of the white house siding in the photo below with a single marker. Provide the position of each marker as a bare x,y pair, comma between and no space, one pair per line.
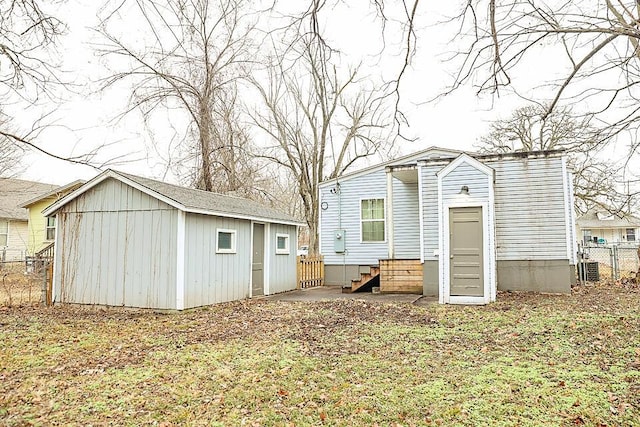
116,246
282,271
16,248
346,205
406,220
211,277
530,209
430,210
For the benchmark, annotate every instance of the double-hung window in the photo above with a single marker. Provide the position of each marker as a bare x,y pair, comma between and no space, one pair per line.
51,228
4,232
372,220
631,234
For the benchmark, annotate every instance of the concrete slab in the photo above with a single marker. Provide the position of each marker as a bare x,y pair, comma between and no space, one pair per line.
329,293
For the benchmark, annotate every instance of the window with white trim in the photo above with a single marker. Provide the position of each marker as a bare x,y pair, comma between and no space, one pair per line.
4,232
282,244
631,234
225,241
50,231
372,220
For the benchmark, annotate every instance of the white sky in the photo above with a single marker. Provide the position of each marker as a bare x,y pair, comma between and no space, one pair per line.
455,121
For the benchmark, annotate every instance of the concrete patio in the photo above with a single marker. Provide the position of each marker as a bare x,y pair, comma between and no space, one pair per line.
328,293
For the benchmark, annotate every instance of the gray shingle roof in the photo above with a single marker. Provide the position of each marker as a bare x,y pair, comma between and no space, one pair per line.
591,220
212,202
14,192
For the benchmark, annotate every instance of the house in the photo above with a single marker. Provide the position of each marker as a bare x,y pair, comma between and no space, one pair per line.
41,230
124,240
598,228
453,225
14,233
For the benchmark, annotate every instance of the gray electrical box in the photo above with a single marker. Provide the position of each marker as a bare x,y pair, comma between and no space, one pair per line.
339,239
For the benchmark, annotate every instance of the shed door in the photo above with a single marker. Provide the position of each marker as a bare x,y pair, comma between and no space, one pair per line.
257,268
465,252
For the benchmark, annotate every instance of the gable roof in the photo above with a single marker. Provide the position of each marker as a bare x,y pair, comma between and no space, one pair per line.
14,192
56,192
620,220
186,199
404,160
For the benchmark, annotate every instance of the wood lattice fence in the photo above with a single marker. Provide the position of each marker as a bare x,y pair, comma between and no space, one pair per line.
310,272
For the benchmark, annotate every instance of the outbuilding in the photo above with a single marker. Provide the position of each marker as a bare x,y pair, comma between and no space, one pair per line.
125,240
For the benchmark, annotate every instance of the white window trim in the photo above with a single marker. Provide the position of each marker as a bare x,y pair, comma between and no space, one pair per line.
286,250
47,227
384,201
233,241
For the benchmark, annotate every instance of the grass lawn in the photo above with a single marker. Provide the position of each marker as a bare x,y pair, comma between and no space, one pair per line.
526,360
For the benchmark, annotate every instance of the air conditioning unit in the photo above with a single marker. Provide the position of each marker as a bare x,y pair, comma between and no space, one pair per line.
588,271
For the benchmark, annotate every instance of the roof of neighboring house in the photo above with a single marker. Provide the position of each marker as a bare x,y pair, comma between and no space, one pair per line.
57,192
607,220
186,199
14,192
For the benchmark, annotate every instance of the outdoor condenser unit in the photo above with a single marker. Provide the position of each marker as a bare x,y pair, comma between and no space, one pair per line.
588,271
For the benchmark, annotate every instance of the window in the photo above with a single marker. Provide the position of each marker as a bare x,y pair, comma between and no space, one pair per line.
372,220
51,228
226,241
631,234
4,232
586,236
282,244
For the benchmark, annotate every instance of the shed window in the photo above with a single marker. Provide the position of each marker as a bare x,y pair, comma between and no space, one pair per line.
372,220
4,232
51,228
631,234
226,241
282,244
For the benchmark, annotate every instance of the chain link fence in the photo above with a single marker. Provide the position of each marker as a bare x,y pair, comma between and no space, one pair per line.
614,261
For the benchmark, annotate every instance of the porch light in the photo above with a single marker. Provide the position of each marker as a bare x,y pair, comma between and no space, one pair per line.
464,190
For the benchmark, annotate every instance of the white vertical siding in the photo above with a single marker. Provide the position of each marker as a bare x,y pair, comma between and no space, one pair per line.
406,221
116,247
211,277
343,211
430,210
282,267
530,209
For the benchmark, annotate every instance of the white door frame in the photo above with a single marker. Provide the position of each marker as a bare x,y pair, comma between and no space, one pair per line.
489,293
488,233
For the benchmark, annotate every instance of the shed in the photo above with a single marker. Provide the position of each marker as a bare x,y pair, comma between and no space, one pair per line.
125,240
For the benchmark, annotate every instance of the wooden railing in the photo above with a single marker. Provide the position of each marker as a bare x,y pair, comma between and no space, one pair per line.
310,272
46,252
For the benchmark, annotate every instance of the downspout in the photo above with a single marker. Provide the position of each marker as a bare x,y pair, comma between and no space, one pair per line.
389,216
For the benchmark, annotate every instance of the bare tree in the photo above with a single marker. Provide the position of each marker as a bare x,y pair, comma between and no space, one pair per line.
320,122
595,64
188,67
597,181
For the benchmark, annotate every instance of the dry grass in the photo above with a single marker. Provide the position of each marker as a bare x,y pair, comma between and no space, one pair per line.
17,287
526,360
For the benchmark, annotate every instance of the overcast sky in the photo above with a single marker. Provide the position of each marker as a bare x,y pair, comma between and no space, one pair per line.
455,121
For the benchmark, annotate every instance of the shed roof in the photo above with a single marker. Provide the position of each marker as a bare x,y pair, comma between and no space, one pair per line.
14,192
187,199
620,220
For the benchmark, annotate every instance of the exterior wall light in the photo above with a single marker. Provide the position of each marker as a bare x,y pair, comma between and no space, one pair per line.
464,190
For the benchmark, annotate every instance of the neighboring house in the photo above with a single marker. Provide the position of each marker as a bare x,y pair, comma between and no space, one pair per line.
42,229
453,225
124,240
14,218
599,228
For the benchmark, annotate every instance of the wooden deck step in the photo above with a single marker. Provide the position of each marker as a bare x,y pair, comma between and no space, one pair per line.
366,281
